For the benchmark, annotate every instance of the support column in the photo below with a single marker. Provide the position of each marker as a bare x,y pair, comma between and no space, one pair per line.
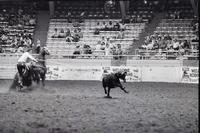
123,9
127,4
51,8
195,6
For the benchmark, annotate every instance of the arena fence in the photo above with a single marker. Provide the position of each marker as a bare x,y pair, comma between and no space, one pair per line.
82,67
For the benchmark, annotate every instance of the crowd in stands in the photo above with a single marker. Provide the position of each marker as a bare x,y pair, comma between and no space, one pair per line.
165,43
172,36
16,27
73,35
110,26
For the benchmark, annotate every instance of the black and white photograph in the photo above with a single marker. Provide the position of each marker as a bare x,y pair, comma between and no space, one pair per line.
99,66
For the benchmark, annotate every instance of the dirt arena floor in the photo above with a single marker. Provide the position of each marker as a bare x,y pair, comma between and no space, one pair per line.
80,107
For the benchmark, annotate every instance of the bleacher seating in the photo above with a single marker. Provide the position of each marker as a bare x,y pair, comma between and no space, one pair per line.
58,45
94,12
17,24
178,25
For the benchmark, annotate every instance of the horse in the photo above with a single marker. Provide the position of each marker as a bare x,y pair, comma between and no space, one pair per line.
32,72
26,79
39,69
113,80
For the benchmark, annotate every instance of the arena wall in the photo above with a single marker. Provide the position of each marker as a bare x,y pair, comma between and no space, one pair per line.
138,70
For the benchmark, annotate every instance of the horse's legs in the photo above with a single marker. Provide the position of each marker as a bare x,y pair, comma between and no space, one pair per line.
43,80
105,90
108,94
122,88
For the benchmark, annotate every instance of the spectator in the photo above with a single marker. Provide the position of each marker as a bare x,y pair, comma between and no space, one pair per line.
55,33
185,45
103,41
61,34
122,26
167,37
68,33
87,49
110,26
80,33
97,29
77,51
176,44
156,45
169,44
107,50
32,22
116,27
76,36
1,49
139,19
98,46
120,34
104,26
38,46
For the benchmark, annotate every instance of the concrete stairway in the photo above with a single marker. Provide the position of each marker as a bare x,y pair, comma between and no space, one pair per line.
150,28
42,27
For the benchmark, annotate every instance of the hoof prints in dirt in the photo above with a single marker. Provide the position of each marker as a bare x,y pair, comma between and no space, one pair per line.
37,125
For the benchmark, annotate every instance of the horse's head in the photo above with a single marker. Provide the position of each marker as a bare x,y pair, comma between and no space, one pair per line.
44,51
121,75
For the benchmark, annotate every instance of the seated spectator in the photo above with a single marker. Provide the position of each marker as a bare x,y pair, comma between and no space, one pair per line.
98,46
156,45
110,26
116,27
69,38
80,33
167,37
61,34
38,46
107,42
97,29
133,20
29,41
87,49
77,51
68,33
150,45
32,22
107,50
176,14
102,46
185,45
76,36
117,51
1,49
176,44
181,51
122,26
55,33
169,44
139,19
76,24
104,26
103,40
4,38
20,50
163,45
120,34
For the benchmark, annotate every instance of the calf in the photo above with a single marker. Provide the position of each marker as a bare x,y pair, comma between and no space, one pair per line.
113,80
